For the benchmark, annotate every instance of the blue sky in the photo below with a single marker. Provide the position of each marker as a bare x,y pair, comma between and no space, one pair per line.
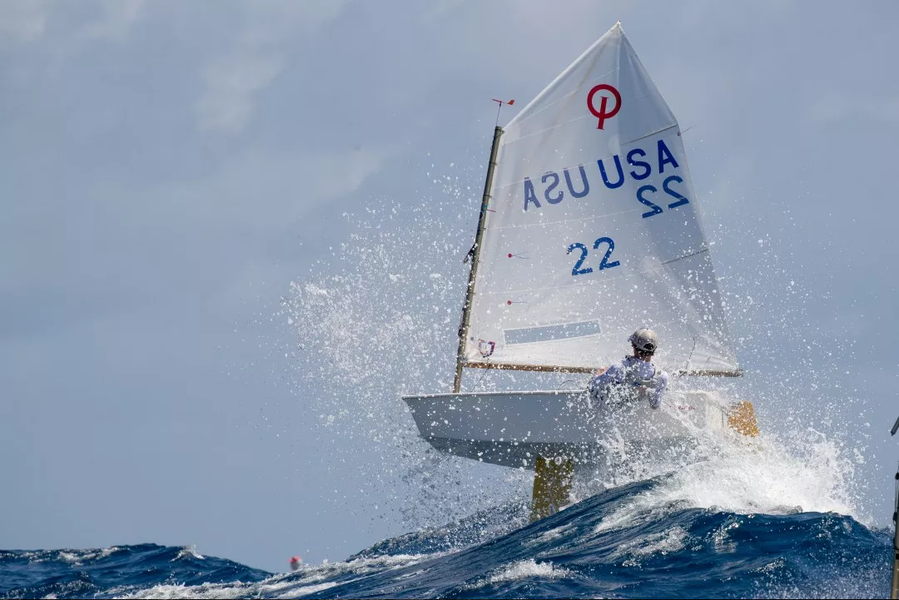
167,169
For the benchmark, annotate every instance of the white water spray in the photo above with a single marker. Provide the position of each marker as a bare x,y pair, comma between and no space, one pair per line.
379,320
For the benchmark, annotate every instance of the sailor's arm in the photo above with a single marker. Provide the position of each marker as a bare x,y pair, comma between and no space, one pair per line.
661,382
604,377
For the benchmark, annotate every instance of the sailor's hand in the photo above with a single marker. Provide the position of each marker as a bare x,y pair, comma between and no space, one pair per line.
600,371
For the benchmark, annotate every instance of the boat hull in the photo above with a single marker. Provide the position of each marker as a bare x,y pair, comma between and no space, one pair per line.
513,428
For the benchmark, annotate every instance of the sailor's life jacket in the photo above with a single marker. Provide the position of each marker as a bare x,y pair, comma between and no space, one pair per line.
633,379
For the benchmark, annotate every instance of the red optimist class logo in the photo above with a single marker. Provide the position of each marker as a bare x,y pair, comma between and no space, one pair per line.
603,112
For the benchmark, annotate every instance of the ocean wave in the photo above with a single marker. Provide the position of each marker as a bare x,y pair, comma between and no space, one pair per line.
667,550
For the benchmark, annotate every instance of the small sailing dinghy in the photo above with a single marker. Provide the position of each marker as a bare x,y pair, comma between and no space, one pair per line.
588,230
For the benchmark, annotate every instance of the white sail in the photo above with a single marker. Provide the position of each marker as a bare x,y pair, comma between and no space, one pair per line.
592,230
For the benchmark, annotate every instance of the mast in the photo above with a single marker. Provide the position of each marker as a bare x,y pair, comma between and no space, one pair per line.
474,254
894,585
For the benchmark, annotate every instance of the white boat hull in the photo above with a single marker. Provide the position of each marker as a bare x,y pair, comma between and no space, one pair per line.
513,428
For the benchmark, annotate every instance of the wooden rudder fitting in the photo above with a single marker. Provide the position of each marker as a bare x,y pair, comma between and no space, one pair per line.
552,486
741,418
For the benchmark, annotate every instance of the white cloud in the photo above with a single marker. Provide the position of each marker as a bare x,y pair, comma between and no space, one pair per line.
26,21
22,20
258,55
115,19
164,234
270,190
231,83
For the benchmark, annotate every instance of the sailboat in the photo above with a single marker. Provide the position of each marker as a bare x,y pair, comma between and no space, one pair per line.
588,230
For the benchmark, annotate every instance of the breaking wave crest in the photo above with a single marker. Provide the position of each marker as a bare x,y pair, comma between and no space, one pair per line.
636,541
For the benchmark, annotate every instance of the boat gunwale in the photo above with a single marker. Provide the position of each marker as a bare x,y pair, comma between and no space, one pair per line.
500,393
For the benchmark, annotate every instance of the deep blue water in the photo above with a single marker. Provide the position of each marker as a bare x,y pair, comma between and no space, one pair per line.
601,547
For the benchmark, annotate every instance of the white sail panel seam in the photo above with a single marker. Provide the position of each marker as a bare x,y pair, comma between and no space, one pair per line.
586,282
512,140
544,223
622,332
521,138
499,187
656,132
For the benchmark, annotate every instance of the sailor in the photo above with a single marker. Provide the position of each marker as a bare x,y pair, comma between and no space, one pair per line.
635,378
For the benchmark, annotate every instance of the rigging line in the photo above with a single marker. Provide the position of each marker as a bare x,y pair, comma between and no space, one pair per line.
690,357
668,262
481,378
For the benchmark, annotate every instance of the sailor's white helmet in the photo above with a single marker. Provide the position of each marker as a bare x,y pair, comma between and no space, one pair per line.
644,340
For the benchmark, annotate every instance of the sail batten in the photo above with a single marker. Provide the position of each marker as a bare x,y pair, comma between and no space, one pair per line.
652,133
593,231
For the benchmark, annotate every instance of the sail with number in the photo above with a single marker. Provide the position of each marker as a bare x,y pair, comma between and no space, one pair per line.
591,230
